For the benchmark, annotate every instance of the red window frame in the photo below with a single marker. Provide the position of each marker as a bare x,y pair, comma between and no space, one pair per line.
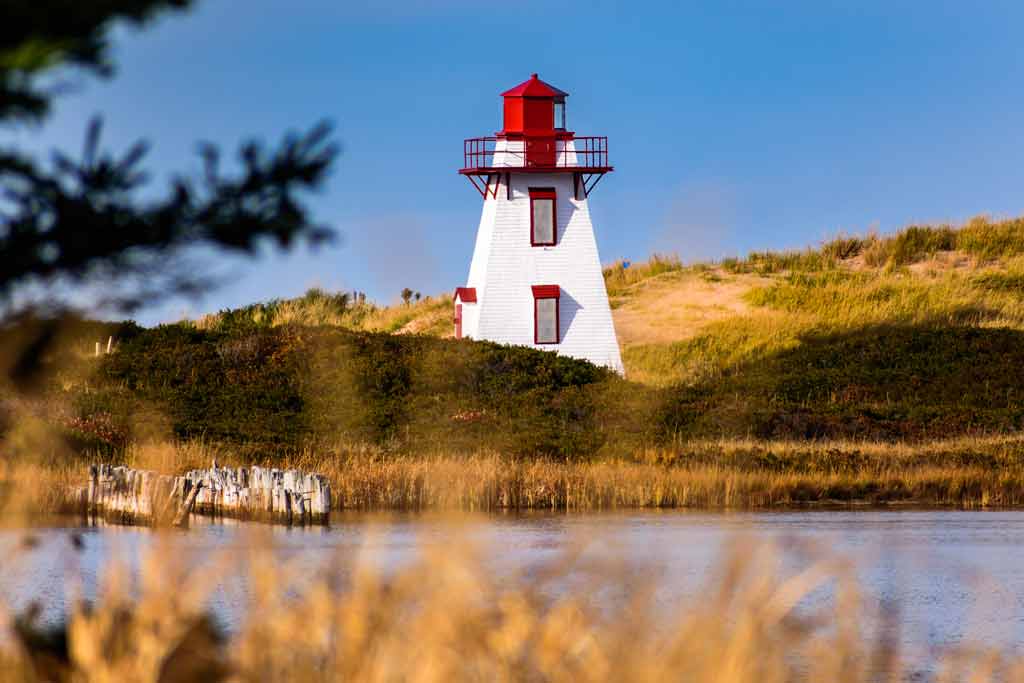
541,292
544,193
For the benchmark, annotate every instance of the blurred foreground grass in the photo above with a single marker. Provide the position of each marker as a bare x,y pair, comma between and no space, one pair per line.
447,617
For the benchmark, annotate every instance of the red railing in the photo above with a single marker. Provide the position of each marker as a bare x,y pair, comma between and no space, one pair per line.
585,153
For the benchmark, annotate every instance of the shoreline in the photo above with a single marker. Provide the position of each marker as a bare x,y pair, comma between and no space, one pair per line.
967,474
78,523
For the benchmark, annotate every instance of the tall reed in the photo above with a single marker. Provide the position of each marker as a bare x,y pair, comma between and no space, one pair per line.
733,474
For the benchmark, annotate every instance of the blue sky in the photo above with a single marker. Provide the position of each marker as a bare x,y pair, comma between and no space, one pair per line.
732,125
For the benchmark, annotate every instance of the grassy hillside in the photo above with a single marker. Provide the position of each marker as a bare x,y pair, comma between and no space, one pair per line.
689,324
912,336
886,368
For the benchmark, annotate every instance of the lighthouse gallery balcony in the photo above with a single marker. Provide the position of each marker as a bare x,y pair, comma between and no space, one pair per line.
532,155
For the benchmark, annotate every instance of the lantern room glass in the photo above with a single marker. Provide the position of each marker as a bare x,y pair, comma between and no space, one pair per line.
560,115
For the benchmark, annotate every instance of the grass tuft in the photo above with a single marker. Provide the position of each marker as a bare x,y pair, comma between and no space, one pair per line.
618,278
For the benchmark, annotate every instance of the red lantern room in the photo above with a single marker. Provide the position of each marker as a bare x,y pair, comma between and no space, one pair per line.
534,139
534,108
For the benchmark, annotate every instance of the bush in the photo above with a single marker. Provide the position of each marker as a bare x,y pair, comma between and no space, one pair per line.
910,382
285,388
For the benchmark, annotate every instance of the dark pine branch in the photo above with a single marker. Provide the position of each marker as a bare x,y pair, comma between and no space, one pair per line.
38,35
78,219
87,219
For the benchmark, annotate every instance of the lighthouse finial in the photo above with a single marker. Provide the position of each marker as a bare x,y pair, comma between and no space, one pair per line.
533,76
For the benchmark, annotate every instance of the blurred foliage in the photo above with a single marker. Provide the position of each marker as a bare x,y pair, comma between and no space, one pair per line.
96,219
767,613
86,218
37,37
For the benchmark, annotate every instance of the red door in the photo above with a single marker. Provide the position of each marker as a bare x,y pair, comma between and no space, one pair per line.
458,321
540,151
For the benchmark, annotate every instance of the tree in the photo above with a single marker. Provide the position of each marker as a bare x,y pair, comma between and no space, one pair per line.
84,218
406,295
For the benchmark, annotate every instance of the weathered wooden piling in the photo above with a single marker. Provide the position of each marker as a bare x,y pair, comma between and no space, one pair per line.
130,496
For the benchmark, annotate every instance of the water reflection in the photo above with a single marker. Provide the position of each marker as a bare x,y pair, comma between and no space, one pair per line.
950,573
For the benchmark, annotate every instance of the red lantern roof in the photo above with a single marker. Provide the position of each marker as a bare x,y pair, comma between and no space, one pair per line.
534,87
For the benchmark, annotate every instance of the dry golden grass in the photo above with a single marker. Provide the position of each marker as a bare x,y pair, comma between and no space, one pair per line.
494,484
969,275
618,277
727,474
694,342
32,491
429,315
678,305
447,617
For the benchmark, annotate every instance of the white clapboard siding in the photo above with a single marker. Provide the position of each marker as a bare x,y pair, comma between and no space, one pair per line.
505,266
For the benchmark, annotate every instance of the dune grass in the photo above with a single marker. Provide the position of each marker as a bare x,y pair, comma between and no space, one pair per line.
982,238
618,277
852,286
318,307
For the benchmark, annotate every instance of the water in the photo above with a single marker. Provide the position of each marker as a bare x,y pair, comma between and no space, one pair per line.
952,575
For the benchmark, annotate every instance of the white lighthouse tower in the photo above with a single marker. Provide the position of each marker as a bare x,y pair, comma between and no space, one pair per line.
536,275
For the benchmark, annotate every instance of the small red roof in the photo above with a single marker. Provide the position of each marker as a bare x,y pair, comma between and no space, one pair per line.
534,88
546,291
466,294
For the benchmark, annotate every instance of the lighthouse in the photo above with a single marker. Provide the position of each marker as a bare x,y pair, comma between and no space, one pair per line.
535,279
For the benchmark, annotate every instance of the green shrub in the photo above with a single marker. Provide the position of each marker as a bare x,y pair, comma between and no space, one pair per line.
878,382
274,390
